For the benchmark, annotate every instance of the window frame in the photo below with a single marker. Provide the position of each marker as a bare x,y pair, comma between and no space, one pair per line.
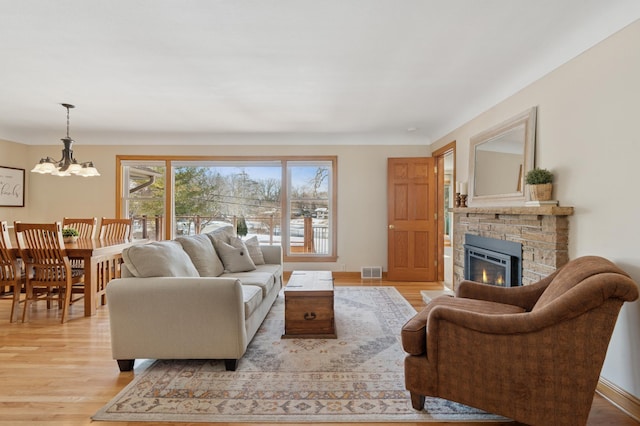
122,160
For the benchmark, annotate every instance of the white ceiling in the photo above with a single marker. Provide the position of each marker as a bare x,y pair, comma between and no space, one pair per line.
194,68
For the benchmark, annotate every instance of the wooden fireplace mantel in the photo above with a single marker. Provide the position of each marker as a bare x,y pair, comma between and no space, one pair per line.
520,210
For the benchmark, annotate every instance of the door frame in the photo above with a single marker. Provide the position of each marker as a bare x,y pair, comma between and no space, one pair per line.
439,155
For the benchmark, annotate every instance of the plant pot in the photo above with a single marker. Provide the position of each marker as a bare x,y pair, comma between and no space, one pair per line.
540,192
70,239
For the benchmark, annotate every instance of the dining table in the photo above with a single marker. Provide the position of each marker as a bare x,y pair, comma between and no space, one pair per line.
102,260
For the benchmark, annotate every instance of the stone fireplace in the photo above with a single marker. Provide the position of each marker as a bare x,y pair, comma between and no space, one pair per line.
542,231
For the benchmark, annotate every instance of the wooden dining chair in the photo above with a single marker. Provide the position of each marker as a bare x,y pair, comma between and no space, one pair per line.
86,227
51,276
11,275
116,229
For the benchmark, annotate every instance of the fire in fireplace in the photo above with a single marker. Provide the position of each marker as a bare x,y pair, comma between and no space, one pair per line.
492,261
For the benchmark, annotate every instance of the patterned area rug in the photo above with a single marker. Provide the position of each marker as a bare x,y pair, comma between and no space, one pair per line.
357,377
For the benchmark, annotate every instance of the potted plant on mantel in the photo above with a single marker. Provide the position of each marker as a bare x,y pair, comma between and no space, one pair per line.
70,235
540,182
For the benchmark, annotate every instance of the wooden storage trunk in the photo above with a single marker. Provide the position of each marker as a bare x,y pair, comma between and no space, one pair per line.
308,306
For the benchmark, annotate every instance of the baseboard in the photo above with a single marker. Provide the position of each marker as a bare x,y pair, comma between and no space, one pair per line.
620,398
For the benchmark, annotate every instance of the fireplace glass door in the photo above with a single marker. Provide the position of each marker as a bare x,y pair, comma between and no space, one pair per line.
488,268
492,261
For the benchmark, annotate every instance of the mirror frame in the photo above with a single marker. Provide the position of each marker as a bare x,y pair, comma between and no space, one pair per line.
528,118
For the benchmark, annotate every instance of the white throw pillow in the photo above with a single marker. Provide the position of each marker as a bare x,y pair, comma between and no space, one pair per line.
224,233
253,246
235,259
159,259
203,255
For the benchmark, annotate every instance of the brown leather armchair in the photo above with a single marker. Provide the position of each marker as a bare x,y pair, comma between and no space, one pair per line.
532,353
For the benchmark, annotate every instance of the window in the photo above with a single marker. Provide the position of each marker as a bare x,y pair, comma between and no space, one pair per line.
287,201
308,206
144,197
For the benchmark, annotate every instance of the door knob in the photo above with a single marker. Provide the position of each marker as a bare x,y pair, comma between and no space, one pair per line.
391,227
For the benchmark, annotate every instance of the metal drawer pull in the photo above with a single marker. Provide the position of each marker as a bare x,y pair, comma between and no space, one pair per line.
309,315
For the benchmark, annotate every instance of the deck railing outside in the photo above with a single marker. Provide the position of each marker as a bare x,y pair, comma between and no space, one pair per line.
305,235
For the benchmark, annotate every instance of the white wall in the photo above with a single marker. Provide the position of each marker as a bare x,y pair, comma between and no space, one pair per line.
588,135
362,215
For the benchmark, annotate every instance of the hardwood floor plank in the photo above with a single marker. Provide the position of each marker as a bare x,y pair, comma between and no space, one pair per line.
61,374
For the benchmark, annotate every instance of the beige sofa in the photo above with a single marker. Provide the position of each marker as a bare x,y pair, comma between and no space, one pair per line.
196,297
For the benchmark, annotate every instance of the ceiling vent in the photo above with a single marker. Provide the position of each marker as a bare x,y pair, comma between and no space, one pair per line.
371,273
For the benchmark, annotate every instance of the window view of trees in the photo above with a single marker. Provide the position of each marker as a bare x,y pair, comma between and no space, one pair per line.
145,198
249,195
308,208
220,194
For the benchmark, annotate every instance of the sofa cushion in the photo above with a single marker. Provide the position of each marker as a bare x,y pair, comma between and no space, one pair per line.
252,297
203,255
234,259
159,259
414,332
253,246
261,277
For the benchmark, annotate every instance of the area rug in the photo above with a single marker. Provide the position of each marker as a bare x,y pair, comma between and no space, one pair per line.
358,377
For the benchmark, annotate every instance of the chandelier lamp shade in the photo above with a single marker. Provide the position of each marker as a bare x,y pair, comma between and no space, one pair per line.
68,165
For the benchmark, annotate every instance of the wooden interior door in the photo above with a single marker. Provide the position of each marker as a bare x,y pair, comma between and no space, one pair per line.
412,216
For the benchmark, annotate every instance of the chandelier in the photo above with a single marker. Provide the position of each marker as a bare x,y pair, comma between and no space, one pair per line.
68,165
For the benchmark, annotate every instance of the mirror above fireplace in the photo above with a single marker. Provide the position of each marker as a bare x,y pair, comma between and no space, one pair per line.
500,157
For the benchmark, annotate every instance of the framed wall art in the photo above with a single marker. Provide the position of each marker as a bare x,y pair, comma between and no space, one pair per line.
11,187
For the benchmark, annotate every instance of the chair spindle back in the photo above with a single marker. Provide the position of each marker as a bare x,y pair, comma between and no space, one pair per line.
9,270
86,227
42,248
115,229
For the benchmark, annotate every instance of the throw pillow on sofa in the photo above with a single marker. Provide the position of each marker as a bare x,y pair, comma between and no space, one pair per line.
224,233
203,255
253,246
159,259
234,259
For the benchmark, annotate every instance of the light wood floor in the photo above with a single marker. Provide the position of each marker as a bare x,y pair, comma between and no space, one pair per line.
53,374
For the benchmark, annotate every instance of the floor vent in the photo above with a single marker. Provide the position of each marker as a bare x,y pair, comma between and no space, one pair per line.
371,273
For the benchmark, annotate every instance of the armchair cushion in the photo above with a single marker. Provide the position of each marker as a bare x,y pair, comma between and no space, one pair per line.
414,332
